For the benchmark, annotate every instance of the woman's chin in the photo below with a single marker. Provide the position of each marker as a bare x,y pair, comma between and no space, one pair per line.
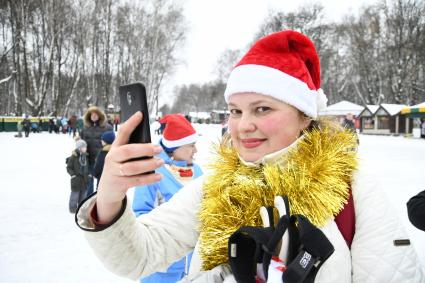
250,156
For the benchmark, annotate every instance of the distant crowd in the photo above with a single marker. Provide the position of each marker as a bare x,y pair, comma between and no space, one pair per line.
71,126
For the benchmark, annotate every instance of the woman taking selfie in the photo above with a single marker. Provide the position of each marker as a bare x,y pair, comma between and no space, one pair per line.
277,147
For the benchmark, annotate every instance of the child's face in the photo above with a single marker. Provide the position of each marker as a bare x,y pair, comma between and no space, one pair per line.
83,149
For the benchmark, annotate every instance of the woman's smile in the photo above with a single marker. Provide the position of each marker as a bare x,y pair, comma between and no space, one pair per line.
252,142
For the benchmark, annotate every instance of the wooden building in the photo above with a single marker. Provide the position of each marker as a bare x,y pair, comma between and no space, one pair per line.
384,119
367,119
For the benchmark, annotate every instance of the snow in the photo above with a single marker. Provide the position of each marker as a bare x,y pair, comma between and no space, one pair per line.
393,109
420,105
39,241
372,108
342,108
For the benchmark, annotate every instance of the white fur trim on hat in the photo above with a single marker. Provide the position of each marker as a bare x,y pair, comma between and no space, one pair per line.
272,82
177,143
321,100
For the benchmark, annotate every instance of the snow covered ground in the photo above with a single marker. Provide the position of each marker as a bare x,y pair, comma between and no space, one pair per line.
39,241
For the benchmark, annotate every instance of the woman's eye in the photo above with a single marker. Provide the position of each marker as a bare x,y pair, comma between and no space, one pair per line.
263,109
235,111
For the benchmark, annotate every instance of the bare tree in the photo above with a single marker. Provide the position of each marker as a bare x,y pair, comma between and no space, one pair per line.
373,58
226,62
68,54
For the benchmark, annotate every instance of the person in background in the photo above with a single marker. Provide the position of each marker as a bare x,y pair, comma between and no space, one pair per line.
107,139
416,210
178,142
156,126
26,125
51,125
77,167
110,121
64,124
58,127
162,127
116,122
68,127
422,125
40,125
95,125
278,146
79,125
224,126
34,127
72,126
19,129
348,123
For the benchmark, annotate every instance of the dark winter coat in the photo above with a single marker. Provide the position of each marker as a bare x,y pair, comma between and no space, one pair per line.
349,124
77,167
416,210
26,123
72,121
92,132
80,124
100,162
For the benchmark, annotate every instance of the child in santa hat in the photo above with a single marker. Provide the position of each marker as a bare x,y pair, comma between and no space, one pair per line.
178,143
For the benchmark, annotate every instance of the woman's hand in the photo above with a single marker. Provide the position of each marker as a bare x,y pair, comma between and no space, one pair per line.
119,174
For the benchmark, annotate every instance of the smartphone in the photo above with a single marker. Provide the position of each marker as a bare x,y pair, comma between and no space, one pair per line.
133,99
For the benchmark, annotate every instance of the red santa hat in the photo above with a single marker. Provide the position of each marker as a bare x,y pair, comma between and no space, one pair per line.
178,131
285,66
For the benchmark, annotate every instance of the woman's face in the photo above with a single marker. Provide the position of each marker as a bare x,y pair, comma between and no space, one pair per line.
185,153
94,117
260,124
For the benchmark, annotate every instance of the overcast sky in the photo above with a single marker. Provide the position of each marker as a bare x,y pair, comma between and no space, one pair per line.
214,26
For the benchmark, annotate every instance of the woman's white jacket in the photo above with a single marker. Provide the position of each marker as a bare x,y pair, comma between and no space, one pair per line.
134,248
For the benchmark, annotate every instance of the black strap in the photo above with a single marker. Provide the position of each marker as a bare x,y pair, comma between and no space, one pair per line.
270,213
274,240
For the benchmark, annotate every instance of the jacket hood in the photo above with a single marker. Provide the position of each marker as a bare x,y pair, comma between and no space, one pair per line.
99,112
106,147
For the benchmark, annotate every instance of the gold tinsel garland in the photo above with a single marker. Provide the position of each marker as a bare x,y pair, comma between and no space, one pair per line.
316,178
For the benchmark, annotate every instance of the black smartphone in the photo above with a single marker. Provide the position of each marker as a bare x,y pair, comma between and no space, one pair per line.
133,99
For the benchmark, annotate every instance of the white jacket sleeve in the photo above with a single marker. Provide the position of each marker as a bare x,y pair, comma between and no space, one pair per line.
134,248
375,258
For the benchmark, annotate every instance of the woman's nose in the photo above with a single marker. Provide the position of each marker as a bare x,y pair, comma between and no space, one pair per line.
246,124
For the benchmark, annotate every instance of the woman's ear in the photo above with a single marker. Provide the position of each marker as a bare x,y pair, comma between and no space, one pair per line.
304,122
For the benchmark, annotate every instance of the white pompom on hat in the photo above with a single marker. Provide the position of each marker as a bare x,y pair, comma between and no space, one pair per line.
178,131
285,66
